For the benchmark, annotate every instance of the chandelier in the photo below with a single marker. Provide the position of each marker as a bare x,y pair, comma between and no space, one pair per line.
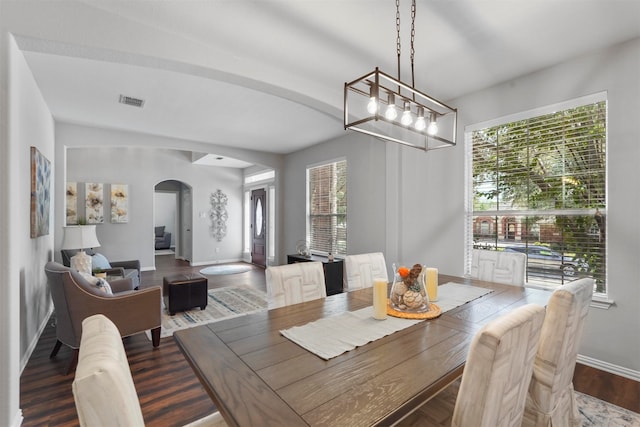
380,105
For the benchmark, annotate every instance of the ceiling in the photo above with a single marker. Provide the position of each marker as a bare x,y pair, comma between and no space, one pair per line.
268,75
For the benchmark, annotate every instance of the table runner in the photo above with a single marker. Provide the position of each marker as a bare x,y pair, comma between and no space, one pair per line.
332,336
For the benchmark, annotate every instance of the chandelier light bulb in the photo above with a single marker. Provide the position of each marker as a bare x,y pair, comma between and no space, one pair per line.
421,123
433,126
372,106
406,119
391,112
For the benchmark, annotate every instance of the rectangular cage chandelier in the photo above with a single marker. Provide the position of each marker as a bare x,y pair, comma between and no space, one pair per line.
382,106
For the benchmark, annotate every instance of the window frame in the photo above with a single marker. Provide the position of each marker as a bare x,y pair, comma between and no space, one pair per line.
470,213
335,248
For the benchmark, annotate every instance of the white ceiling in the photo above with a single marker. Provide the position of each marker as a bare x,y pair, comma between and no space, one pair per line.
273,74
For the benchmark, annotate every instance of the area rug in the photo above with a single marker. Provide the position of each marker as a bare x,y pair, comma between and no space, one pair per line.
223,303
593,412
225,269
598,413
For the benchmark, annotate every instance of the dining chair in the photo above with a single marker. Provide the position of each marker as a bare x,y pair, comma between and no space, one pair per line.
499,266
496,376
294,283
551,400
361,269
103,388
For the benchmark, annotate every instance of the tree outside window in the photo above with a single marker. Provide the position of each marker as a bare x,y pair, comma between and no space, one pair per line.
539,187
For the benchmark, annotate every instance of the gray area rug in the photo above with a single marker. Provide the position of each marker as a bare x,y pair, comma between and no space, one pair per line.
222,303
594,412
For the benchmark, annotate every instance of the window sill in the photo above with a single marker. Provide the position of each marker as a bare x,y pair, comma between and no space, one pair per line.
598,300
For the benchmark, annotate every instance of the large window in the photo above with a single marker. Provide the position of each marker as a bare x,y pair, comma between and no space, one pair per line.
327,208
538,186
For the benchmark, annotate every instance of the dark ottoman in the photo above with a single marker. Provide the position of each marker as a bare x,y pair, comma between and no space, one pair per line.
184,291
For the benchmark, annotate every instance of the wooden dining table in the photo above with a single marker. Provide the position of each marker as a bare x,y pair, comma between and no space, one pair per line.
257,377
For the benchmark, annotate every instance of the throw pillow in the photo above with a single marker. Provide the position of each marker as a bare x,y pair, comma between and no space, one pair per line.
100,261
100,284
159,231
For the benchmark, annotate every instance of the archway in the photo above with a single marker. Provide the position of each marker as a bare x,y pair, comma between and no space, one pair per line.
172,222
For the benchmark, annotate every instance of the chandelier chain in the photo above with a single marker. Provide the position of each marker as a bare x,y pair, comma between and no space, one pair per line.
398,45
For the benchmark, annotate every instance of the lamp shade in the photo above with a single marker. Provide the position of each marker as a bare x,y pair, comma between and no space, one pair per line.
80,237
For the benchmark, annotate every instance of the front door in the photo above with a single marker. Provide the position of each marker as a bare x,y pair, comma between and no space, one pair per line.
259,227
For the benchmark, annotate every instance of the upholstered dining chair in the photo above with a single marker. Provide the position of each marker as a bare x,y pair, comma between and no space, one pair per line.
294,283
499,266
496,376
551,400
360,270
75,299
103,388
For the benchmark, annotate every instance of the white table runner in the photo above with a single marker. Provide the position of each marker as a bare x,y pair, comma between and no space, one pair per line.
332,336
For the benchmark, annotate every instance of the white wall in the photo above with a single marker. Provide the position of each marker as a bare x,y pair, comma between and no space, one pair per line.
142,168
411,204
24,295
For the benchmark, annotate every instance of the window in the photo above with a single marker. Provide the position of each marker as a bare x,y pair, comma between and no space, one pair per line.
538,186
327,208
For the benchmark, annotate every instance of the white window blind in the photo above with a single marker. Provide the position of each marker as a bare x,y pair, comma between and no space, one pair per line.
539,187
327,208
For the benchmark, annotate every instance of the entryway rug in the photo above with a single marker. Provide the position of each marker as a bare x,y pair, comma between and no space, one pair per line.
223,303
225,269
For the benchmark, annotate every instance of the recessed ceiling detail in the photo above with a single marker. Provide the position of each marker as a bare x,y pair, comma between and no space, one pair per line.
129,100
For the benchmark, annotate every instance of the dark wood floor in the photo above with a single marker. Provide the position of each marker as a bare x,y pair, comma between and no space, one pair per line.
169,392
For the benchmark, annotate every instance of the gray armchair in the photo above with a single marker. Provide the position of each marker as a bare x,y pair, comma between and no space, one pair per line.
127,269
75,299
163,238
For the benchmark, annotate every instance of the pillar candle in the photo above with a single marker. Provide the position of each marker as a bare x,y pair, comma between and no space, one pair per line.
432,284
380,299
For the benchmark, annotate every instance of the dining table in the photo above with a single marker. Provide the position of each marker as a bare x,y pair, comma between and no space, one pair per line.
258,377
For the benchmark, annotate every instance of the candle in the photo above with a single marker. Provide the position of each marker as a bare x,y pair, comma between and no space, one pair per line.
380,299
432,284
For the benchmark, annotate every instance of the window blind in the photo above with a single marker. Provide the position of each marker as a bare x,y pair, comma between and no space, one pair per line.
539,187
327,208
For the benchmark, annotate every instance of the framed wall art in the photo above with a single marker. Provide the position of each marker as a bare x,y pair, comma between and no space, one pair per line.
71,201
119,203
94,202
40,193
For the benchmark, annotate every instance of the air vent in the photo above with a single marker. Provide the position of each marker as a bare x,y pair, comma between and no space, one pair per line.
128,100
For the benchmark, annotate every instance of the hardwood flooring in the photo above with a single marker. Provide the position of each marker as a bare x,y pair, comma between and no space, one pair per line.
169,392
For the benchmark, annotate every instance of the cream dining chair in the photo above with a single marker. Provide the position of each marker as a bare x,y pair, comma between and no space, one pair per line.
551,400
496,376
294,283
499,266
360,270
103,388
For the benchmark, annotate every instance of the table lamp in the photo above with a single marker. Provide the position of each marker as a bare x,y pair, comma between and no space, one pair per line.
80,237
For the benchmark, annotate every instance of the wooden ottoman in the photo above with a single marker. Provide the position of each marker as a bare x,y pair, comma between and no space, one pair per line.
184,291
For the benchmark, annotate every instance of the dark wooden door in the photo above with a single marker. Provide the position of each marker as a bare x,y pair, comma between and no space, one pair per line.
259,227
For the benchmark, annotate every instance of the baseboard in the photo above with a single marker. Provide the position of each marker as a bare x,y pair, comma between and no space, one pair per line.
609,367
34,341
17,419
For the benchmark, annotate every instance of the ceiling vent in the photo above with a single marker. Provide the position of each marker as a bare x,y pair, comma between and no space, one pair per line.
128,100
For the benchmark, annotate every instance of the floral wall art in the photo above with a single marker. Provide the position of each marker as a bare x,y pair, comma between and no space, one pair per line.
119,203
218,214
40,193
94,203
71,207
